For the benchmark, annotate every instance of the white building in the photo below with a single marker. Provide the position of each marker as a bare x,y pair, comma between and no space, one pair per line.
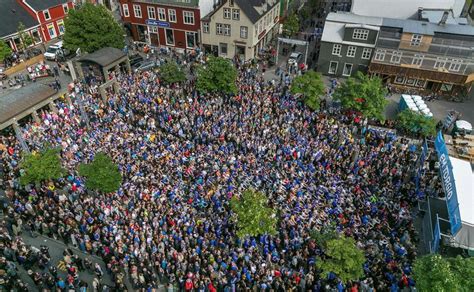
404,9
240,27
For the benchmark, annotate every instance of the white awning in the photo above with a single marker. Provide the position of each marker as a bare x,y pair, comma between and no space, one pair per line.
293,41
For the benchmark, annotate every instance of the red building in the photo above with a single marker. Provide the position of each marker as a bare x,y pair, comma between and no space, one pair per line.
50,15
168,23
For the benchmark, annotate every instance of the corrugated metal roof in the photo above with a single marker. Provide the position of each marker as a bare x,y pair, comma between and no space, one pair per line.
428,28
347,17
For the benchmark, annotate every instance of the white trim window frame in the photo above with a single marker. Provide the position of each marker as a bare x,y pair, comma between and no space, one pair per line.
172,15
125,11
396,57
188,17
417,60
161,14
351,66
219,29
416,40
205,27
379,55
65,8
227,13
227,30
335,68
235,14
440,63
151,12
366,53
137,11
336,49
46,12
244,32
351,51
360,34
60,24
455,65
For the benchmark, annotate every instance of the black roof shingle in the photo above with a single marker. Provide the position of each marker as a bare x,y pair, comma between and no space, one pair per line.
11,14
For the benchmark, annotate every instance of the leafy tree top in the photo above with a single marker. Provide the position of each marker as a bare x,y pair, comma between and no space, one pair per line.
92,28
41,166
254,217
102,174
364,94
172,73
5,50
343,258
417,123
26,39
311,86
433,273
291,25
218,75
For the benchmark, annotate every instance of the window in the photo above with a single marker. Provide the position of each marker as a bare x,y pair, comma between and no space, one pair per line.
205,27
65,8
396,57
360,34
417,60
36,36
366,53
440,63
60,24
172,15
347,70
332,67
126,13
190,39
161,14
47,16
336,49
235,14
51,30
351,51
188,17
244,32
153,29
379,55
137,11
455,65
223,48
151,12
222,29
231,3
416,40
169,37
227,13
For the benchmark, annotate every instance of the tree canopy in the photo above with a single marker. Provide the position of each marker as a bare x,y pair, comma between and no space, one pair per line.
102,174
291,25
25,38
172,73
254,217
364,94
436,273
41,166
5,50
416,123
311,86
91,28
343,258
217,75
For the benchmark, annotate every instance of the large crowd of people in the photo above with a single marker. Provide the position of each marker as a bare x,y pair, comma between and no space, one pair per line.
183,156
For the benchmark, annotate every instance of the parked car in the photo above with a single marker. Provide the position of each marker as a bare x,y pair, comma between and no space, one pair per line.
56,51
145,65
295,58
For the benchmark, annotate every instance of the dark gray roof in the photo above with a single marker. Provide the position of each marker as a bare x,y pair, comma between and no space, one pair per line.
428,28
11,14
249,8
104,56
39,5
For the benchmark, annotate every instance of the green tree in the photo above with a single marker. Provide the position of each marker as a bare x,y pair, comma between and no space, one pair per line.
343,258
92,28
25,37
291,25
254,217
41,166
311,86
323,236
102,174
364,94
218,75
433,273
172,73
463,269
5,50
416,123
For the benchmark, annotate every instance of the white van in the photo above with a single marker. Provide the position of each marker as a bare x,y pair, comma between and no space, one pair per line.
55,50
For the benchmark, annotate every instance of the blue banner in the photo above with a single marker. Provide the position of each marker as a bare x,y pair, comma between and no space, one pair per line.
157,23
449,185
437,236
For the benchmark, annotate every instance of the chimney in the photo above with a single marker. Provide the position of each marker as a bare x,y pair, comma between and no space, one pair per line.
444,18
420,13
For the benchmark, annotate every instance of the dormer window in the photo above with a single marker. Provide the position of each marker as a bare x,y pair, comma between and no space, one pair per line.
416,40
